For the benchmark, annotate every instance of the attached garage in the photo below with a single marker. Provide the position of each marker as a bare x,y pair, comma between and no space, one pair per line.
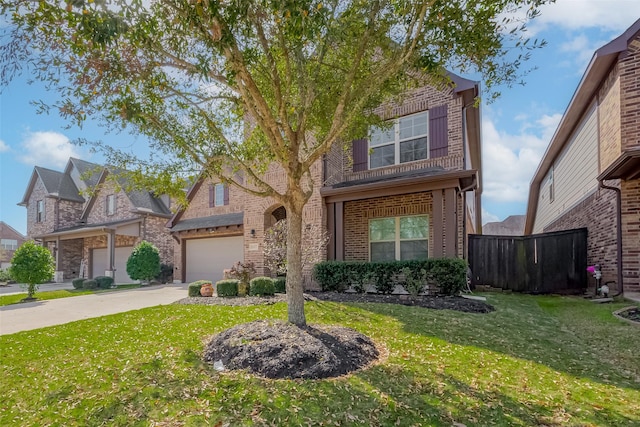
206,259
99,263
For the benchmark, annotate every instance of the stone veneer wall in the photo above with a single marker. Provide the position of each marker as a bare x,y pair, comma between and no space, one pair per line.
71,258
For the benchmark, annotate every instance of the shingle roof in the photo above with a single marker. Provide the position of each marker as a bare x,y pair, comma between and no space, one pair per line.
210,222
89,172
430,171
59,183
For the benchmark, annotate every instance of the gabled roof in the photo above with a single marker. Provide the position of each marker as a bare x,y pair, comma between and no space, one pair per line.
56,184
212,221
89,172
597,70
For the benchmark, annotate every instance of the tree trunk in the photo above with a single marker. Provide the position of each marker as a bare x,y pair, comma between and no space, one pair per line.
295,297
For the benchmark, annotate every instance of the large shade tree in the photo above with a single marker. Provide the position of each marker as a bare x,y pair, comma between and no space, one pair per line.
224,86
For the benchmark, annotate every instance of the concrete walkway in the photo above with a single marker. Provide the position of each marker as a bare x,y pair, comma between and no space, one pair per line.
33,315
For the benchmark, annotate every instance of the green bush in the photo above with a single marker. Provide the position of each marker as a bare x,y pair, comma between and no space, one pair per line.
449,274
89,284
32,265
166,273
227,288
4,275
280,285
414,280
261,286
104,282
194,287
144,262
77,283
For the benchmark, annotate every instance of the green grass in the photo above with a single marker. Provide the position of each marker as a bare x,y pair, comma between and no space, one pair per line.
552,361
62,293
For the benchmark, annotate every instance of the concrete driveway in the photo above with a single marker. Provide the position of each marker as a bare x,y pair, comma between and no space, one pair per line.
33,315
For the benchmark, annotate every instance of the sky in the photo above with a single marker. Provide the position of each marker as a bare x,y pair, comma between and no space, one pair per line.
516,128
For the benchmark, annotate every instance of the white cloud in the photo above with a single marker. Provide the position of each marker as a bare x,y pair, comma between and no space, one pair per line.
509,160
608,15
581,50
3,146
488,217
51,149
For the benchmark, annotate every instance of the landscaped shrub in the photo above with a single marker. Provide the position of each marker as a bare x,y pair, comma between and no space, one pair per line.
144,262
449,274
242,272
4,275
77,283
104,282
261,286
194,287
32,265
414,280
166,273
89,284
227,288
280,285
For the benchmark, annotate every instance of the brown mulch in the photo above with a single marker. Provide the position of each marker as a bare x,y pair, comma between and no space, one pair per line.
632,314
277,349
434,302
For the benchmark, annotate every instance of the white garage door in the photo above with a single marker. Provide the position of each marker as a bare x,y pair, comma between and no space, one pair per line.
207,258
99,263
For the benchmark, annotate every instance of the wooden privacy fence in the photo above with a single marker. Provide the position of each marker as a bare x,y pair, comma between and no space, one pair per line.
540,263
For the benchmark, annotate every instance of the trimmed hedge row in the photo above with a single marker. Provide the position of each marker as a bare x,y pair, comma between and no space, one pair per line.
194,287
227,287
261,286
102,282
448,274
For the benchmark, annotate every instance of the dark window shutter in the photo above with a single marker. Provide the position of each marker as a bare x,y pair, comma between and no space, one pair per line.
212,195
360,155
438,132
226,195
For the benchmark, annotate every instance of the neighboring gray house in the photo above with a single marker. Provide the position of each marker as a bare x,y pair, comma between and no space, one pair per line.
90,223
513,225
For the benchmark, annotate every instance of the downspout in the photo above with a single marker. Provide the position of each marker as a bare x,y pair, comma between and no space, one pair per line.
618,232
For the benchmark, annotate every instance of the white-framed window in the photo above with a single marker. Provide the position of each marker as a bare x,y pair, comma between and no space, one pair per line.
111,204
399,238
407,140
219,192
9,244
40,211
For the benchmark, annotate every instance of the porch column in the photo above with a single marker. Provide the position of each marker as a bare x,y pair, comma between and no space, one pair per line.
450,222
339,227
111,254
58,275
331,228
438,226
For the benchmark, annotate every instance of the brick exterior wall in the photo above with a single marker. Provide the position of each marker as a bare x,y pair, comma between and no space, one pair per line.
631,234
630,95
69,262
358,213
7,232
597,213
47,225
339,159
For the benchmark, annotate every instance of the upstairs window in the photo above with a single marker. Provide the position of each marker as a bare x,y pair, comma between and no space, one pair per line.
9,244
399,238
40,211
218,195
407,140
111,204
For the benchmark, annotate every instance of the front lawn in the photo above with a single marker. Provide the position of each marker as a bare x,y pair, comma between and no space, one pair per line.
61,293
534,361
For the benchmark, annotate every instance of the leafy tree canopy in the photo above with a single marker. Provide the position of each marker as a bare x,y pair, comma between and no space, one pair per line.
238,85
32,265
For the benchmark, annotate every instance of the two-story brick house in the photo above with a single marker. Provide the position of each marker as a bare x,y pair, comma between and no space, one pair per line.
92,223
410,191
10,241
590,174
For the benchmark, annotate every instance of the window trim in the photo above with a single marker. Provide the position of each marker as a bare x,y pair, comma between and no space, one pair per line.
40,211
552,189
397,239
397,141
218,192
4,244
111,212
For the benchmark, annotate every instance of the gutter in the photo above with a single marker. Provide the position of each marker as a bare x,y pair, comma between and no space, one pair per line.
618,233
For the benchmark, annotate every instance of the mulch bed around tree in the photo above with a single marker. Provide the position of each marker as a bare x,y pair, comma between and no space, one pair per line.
277,349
